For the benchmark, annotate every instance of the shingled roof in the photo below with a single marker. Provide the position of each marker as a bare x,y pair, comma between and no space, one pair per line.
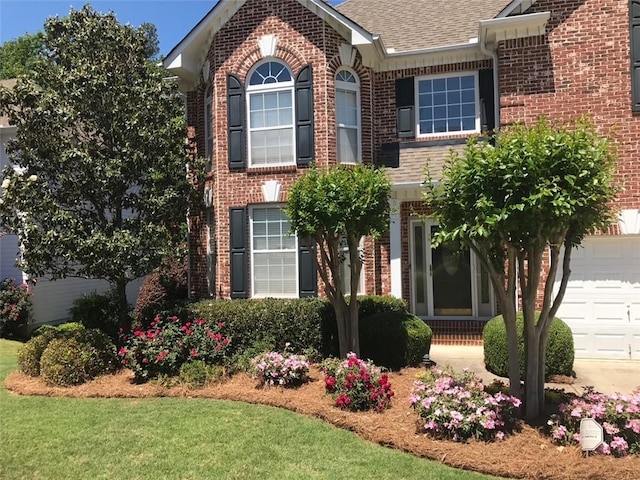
406,25
4,121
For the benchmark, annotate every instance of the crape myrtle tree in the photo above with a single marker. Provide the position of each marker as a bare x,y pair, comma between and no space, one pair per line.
99,188
334,205
534,196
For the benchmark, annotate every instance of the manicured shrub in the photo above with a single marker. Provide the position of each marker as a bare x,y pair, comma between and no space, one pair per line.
287,370
197,374
270,322
618,414
169,342
357,385
559,352
15,307
75,356
161,291
61,363
456,407
99,311
394,339
30,353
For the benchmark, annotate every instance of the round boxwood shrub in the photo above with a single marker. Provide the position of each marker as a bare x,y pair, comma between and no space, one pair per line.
62,363
559,352
30,353
394,339
76,356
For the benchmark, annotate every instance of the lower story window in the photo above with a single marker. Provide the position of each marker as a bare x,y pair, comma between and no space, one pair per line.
273,254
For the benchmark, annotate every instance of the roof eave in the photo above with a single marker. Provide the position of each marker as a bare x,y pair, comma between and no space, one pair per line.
516,7
495,30
448,54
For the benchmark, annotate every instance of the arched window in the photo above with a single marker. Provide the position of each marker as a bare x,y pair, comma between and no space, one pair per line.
271,115
348,117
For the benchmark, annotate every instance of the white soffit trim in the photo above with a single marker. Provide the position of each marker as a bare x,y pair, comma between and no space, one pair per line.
465,52
509,28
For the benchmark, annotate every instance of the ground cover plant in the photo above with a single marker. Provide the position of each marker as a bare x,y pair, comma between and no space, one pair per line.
618,414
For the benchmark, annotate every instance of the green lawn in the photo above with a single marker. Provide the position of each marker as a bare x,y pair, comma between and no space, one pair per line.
58,438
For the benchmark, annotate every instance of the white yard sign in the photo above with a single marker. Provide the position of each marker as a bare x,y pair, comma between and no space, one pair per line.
591,434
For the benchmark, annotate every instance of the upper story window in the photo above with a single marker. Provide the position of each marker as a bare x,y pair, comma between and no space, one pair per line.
348,117
208,123
271,115
447,104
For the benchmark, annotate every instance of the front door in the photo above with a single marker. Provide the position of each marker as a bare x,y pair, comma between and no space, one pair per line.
446,281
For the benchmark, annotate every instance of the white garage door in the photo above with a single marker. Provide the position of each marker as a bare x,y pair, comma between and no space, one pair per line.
602,301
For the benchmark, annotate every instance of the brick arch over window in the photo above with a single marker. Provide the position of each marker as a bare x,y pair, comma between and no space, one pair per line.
289,56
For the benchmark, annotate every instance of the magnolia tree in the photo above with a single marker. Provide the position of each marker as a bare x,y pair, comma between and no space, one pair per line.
336,205
534,196
99,187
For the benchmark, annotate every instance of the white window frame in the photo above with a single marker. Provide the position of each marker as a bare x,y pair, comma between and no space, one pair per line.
270,88
478,120
352,87
208,129
252,251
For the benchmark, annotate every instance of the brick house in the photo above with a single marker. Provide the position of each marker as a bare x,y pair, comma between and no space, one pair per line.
273,85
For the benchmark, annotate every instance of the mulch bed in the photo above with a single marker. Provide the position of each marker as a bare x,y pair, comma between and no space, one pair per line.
526,454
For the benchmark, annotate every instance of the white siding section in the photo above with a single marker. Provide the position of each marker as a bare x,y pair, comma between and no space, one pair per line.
53,299
602,301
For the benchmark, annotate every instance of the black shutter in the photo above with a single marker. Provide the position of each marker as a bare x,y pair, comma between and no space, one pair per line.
307,274
236,119
634,20
405,102
487,100
304,117
388,155
238,249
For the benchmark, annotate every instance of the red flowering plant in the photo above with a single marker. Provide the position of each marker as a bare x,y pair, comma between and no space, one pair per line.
15,306
357,385
168,343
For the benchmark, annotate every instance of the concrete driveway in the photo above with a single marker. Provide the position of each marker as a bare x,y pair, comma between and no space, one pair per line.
606,376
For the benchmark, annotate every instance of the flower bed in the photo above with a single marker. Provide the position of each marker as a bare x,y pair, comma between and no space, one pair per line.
456,406
618,414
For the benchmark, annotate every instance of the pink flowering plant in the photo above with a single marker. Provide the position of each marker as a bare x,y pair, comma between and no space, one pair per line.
455,406
15,306
284,369
618,414
170,342
356,384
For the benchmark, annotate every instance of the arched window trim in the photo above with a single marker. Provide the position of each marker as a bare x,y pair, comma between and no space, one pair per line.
349,87
287,89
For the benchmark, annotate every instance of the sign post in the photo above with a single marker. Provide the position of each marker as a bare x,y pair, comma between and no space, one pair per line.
591,434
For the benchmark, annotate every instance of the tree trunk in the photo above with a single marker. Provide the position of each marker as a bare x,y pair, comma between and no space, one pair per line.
124,320
514,354
342,321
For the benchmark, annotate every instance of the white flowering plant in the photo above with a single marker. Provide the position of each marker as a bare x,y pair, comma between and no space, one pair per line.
455,406
284,369
618,414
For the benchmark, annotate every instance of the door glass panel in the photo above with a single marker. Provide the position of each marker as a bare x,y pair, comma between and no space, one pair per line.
420,270
451,269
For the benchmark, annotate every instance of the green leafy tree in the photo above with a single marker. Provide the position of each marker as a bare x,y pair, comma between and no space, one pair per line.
346,203
100,188
541,188
18,56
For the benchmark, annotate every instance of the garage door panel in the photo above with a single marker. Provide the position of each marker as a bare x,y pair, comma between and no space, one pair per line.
602,300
